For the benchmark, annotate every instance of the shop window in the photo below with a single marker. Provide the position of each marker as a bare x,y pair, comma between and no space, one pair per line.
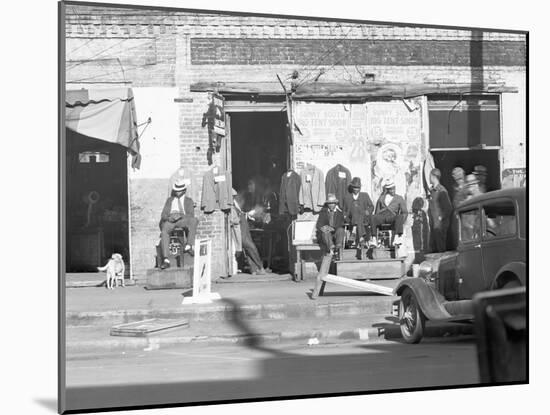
470,226
499,220
464,122
93,157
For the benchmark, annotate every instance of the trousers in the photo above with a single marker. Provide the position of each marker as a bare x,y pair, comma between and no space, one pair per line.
249,248
188,223
438,237
386,217
328,239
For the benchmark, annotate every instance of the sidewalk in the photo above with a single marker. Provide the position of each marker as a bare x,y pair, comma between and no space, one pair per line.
264,311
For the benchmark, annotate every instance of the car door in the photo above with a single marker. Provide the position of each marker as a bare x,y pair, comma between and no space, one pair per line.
500,241
469,260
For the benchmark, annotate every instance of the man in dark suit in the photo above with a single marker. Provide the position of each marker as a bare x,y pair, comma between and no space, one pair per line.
330,227
178,212
440,210
358,209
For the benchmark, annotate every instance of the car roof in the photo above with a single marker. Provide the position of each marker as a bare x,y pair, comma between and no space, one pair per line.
514,193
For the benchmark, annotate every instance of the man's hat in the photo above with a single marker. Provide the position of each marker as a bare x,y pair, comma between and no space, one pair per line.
180,185
331,199
479,169
356,182
436,173
471,180
389,184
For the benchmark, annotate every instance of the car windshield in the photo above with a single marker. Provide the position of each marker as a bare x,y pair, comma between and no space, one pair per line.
499,219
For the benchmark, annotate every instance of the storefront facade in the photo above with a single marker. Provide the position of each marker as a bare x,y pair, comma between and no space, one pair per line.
378,99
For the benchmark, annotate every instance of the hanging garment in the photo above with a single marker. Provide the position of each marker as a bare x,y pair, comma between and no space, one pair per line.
337,182
216,191
289,194
312,192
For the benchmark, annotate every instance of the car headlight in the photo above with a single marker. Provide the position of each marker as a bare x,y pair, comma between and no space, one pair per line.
425,270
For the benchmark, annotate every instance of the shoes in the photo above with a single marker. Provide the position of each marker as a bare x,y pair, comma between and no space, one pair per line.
189,250
259,272
165,264
373,242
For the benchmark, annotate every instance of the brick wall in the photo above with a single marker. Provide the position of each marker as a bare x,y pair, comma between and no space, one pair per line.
147,48
357,52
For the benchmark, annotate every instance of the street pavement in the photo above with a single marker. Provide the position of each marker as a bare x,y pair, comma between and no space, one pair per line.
201,372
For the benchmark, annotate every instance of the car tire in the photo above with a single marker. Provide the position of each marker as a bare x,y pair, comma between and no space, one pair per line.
412,321
511,284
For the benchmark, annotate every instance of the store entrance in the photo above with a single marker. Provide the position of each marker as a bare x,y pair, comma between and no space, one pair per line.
447,160
97,203
260,154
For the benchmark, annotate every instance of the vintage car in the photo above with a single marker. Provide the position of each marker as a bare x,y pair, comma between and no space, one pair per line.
490,254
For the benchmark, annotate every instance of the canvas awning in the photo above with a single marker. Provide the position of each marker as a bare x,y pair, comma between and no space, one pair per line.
105,114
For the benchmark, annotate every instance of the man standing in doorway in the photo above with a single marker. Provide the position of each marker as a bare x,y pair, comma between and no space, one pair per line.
460,193
481,174
178,212
440,211
391,209
472,186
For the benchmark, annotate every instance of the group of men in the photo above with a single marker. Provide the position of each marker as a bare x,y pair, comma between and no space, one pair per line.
391,208
358,210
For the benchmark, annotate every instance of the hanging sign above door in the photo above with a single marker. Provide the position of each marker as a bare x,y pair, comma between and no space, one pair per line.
219,114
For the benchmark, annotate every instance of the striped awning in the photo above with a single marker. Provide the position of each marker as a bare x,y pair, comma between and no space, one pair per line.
105,114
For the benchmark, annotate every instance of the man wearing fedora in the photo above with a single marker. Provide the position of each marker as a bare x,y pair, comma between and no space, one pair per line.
390,209
178,212
358,209
330,228
439,210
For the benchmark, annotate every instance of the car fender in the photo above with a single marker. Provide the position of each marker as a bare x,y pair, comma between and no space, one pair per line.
429,300
516,268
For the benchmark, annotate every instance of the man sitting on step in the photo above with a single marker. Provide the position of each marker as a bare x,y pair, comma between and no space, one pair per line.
330,228
391,209
178,212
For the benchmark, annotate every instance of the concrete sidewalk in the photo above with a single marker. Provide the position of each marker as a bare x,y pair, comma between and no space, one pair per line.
262,300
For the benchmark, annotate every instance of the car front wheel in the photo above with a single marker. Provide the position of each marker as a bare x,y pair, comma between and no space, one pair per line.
411,319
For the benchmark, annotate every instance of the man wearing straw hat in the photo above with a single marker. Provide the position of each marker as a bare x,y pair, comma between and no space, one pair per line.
330,227
391,209
178,212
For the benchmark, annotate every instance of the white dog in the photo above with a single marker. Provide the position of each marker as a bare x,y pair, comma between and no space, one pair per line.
115,271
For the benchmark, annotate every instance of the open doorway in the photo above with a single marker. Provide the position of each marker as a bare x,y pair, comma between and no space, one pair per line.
447,160
97,203
260,154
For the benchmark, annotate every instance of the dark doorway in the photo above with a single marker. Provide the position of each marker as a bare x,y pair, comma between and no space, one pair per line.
97,202
259,147
260,152
467,159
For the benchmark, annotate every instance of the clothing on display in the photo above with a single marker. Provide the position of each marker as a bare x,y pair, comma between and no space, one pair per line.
337,182
312,191
289,195
216,190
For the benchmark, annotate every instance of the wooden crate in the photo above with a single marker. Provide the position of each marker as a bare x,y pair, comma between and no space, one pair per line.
171,278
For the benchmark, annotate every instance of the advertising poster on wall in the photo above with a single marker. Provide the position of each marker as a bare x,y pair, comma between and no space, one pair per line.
330,134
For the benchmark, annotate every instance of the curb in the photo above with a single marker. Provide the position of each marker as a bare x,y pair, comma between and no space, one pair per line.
366,334
229,312
258,339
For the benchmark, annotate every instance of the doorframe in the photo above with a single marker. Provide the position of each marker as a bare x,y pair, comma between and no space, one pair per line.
239,106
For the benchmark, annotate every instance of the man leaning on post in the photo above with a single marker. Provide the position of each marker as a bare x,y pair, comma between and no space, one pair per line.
178,212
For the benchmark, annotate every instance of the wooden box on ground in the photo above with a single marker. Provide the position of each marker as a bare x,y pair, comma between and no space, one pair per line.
158,279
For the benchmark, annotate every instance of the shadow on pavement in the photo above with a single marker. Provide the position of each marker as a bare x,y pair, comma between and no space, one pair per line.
311,372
